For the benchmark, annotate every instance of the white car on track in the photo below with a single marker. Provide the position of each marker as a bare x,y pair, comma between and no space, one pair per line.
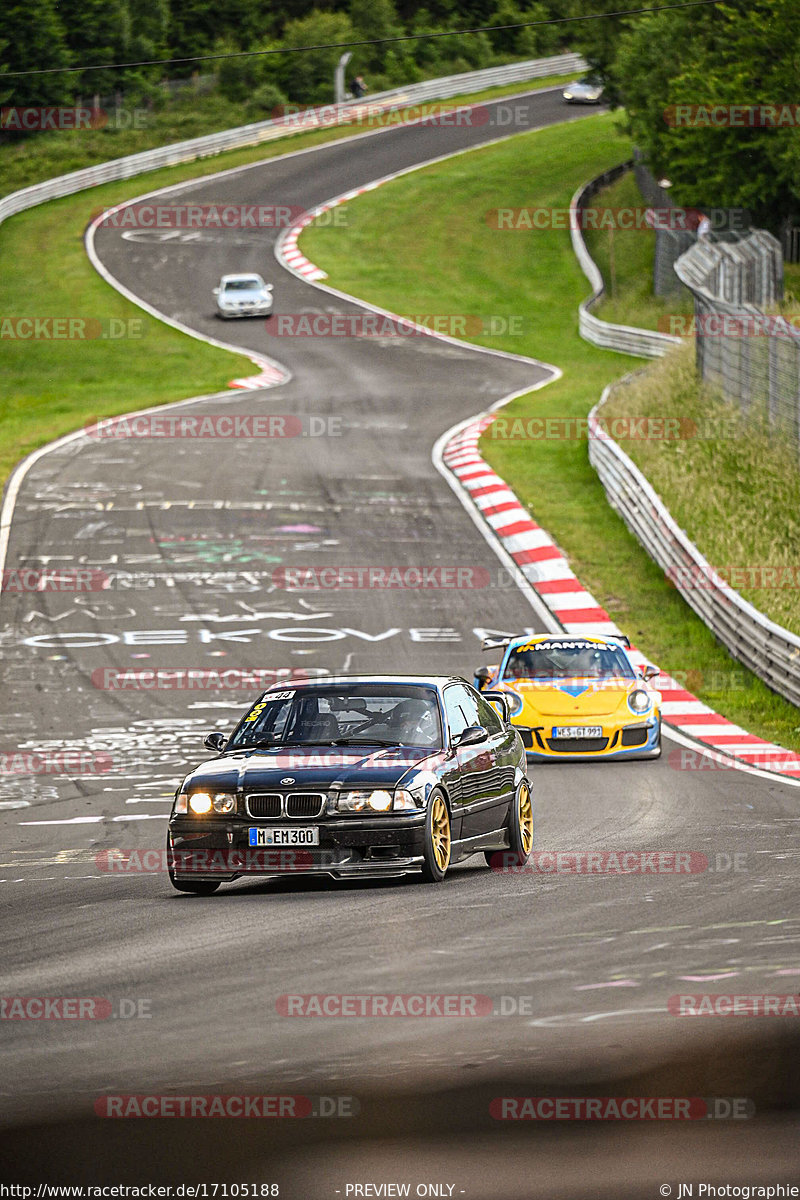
243,296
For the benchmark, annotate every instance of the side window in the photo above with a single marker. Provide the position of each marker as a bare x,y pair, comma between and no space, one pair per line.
461,709
488,717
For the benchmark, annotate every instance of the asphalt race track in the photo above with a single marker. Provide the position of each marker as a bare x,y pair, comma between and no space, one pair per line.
193,534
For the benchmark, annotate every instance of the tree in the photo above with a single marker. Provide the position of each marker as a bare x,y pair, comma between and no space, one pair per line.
36,41
728,56
307,76
372,20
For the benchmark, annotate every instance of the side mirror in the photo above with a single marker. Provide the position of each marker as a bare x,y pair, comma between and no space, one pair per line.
216,291
268,287
482,677
650,672
499,702
470,736
215,741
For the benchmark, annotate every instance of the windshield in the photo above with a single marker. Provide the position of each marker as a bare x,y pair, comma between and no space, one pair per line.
368,714
243,285
567,658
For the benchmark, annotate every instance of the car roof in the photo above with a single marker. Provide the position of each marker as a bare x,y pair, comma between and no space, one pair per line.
431,681
243,275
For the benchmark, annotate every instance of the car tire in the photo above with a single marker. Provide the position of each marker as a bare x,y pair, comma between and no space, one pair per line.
198,887
438,839
520,831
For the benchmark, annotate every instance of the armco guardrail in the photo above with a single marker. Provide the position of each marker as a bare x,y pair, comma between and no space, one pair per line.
645,343
769,650
265,131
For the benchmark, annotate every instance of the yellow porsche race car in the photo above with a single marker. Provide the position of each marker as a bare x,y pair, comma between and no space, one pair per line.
576,697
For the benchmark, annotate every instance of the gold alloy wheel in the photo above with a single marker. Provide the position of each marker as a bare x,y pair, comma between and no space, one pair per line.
525,814
440,833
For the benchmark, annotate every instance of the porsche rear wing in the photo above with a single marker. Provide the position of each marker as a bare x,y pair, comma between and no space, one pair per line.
501,643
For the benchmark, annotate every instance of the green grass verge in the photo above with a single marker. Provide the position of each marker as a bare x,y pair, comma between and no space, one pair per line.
46,155
422,244
625,258
53,387
734,488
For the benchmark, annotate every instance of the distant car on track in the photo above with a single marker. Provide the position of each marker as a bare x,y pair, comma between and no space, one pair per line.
243,296
584,91
359,776
576,697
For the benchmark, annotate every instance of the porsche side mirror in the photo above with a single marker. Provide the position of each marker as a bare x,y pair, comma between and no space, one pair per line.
214,741
482,677
650,672
499,702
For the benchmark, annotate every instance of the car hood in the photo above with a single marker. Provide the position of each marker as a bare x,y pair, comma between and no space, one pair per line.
575,697
309,767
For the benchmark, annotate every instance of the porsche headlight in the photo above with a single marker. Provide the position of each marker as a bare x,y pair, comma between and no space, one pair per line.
378,800
515,703
639,701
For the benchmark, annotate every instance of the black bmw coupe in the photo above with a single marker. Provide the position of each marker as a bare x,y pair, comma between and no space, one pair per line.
357,776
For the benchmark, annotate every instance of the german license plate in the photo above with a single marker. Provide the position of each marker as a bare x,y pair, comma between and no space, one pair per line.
578,731
297,835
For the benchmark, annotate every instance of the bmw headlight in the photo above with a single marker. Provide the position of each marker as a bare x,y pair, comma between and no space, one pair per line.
377,800
639,701
202,803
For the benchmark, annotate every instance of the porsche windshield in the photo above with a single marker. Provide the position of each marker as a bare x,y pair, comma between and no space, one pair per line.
369,715
567,658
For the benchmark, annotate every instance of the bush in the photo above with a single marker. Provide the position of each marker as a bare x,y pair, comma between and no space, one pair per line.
265,100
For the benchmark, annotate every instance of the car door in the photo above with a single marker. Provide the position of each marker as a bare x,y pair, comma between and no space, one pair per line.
476,763
455,723
507,754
